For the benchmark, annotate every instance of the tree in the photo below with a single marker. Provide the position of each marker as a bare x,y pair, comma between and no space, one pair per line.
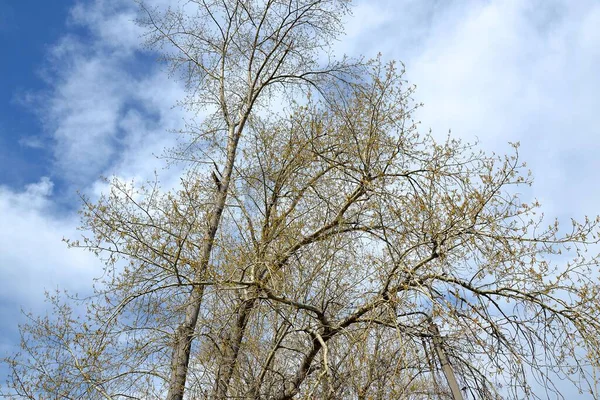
329,250
237,51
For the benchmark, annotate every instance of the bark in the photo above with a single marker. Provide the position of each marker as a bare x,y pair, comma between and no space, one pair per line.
184,334
232,349
445,362
303,372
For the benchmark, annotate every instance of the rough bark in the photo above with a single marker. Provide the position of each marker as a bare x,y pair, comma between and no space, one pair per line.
438,344
184,335
233,343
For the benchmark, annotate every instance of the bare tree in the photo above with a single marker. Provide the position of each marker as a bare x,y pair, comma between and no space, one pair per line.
329,250
236,52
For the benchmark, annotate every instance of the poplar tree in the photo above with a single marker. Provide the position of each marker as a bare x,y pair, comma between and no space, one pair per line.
319,244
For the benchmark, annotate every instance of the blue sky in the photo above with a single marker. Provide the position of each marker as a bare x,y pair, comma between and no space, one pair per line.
80,98
27,28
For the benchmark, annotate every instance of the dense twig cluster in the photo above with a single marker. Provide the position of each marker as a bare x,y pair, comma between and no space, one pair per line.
328,250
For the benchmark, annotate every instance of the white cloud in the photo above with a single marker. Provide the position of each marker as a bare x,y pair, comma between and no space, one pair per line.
83,115
502,73
499,72
111,22
505,71
32,257
104,114
34,142
108,110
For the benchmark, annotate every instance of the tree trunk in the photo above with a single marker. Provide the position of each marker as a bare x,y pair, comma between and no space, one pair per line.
446,367
183,343
184,335
232,348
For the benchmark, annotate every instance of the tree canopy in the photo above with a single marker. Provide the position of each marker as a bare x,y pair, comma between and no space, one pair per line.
324,248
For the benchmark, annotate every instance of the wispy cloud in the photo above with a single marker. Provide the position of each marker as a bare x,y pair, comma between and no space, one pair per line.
105,107
107,110
500,72
32,257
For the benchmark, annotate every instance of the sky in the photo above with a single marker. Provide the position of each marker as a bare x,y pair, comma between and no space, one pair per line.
81,98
